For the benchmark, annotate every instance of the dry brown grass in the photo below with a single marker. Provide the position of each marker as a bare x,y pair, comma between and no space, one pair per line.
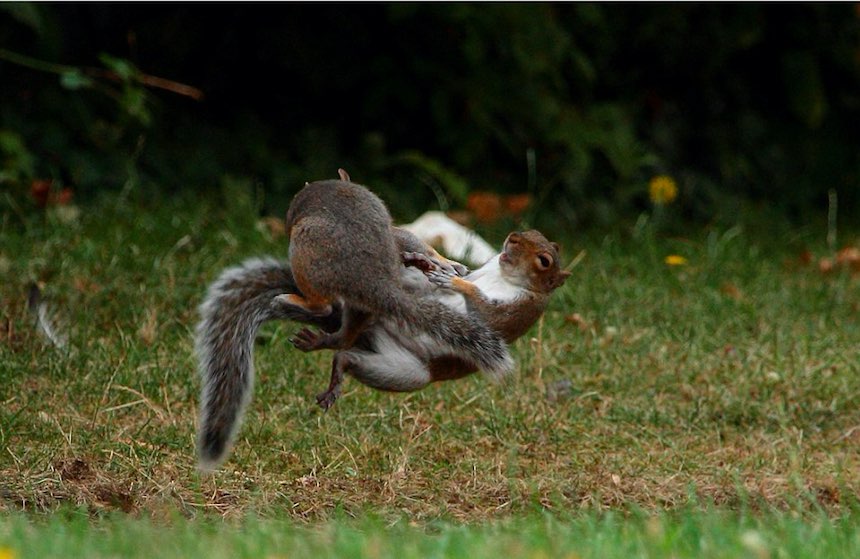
646,386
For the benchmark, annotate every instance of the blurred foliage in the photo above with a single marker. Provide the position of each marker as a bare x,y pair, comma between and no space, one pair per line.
578,104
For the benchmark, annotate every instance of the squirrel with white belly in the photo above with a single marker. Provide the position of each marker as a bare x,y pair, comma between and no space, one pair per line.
354,276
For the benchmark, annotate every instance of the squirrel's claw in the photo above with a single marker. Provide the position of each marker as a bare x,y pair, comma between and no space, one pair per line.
460,269
327,399
339,365
440,278
449,266
308,340
418,260
428,264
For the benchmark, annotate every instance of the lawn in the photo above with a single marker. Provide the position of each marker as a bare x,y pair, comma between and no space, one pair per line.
725,383
693,534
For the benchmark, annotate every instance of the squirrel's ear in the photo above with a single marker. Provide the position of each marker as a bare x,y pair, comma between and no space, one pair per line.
344,176
555,246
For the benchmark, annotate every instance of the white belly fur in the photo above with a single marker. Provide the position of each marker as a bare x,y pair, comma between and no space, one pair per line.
399,359
488,278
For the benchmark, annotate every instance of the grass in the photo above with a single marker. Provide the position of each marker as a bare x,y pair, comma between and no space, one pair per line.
730,381
693,535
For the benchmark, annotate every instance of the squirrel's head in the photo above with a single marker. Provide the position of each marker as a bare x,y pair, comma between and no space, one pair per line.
529,259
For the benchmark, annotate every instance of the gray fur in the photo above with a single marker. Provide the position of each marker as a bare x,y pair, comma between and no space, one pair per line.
244,297
391,361
241,299
356,257
465,334
236,304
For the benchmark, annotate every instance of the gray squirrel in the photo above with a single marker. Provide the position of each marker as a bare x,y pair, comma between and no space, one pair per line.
398,318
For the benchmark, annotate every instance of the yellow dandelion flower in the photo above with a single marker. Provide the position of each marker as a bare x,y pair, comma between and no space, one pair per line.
675,260
662,189
7,553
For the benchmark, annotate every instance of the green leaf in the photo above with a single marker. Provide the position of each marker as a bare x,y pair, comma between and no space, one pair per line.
17,160
74,79
120,66
134,102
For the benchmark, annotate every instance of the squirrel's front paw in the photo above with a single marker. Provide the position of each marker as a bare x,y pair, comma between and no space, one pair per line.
427,263
460,269
418,260
441,278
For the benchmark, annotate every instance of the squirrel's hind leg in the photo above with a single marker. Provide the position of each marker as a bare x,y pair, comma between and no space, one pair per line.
339,364
298,304
352,325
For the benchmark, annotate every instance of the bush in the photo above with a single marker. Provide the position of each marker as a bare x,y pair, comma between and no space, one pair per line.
580,105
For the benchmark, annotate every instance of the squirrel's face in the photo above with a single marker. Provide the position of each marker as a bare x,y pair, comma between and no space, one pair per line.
530,260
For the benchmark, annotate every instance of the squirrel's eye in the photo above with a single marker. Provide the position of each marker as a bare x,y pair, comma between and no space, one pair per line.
544,261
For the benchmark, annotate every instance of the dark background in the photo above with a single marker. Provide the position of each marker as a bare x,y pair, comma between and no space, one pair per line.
578,105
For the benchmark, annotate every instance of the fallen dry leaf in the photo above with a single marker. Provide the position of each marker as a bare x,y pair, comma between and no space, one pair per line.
516,204
43,194
846,258
487,206
731,290
40,190
577,320
850,257
64,197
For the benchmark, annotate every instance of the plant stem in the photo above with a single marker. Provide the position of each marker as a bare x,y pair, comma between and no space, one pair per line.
145,79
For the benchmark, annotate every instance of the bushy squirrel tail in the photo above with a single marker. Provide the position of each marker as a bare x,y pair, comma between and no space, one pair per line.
235,306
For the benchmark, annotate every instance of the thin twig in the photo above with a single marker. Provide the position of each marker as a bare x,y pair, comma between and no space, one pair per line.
575,262
149,403
143,78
